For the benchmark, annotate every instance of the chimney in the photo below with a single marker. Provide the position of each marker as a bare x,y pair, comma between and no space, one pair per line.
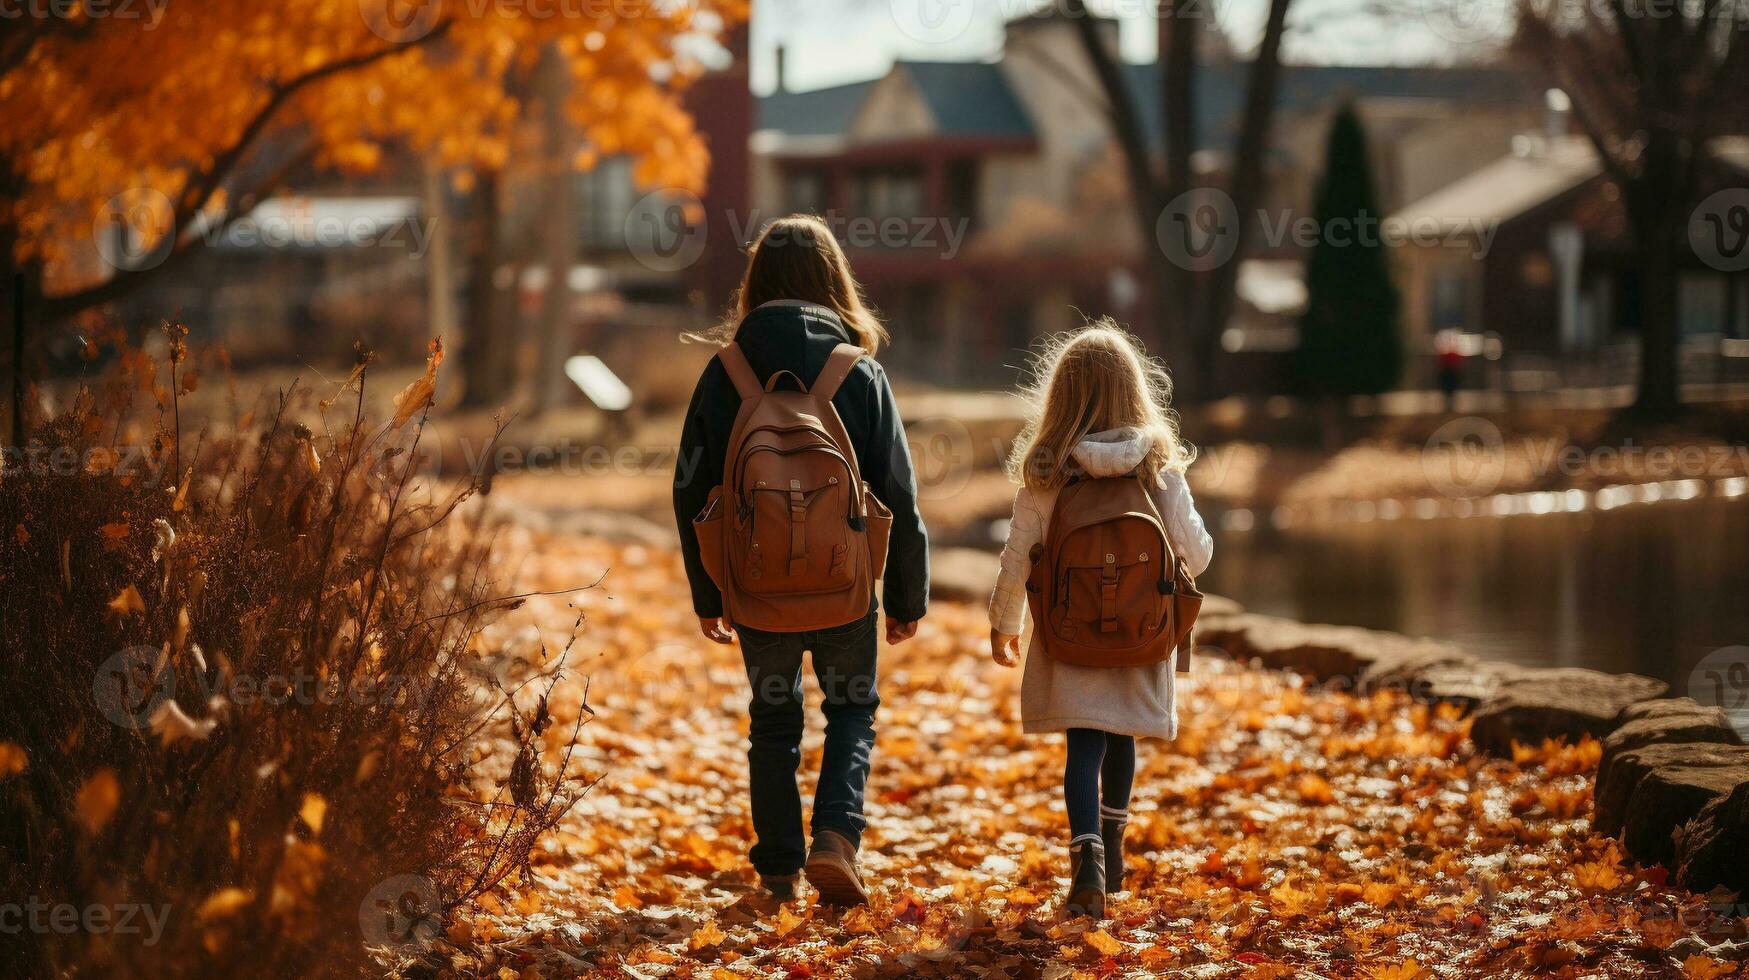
782,65
1559,107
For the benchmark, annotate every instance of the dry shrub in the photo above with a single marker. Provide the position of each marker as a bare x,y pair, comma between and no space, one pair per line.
247,704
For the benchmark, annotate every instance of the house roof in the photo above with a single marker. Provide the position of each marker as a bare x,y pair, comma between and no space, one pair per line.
969,98
1508,187
1221,86
966,98
820,112
975,99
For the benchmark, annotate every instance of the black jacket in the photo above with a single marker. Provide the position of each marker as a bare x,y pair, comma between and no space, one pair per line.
797,338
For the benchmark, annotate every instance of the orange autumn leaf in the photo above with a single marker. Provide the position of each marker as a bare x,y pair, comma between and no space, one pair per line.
1103,942
13,760
786,921
705,936
420,390
127,601
1698,967
223,903
1314,789
96,801
1406,970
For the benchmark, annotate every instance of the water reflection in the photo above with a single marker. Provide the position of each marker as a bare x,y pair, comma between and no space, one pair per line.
1649,589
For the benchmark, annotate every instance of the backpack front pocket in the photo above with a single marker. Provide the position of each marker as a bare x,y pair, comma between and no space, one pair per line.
797,541
708,528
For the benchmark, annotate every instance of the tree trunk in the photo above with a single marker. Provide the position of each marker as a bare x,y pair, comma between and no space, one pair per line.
558,237
1660,394
1653,202
489,340
1178,39
1247,184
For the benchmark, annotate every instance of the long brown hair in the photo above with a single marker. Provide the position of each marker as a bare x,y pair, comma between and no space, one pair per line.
1091,380
798,258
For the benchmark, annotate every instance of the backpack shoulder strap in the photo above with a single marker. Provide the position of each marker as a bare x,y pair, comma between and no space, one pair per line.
838,367
740,372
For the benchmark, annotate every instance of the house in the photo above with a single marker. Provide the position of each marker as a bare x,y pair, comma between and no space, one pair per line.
1533,252
985,203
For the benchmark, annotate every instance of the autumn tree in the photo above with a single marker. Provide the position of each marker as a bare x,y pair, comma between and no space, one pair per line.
1191,304
1652,86
1349,339
179,120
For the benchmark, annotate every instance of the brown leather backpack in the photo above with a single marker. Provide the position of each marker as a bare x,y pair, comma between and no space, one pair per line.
792,536
1106,588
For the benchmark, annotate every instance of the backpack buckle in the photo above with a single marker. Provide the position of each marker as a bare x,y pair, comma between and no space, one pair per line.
1108,596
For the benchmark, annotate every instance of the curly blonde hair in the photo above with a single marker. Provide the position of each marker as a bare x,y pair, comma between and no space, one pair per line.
1090,380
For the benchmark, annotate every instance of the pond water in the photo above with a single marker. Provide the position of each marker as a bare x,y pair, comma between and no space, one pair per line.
1658,589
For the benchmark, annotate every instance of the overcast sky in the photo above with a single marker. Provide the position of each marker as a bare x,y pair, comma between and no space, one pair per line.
834,41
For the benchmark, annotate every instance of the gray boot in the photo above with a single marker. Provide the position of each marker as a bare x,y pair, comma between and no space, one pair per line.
1086,877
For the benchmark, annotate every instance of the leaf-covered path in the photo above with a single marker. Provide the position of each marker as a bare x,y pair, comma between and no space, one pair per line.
1287,833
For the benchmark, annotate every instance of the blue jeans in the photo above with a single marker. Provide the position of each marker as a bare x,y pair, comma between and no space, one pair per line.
844,664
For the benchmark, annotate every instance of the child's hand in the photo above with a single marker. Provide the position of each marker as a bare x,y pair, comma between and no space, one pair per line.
899,632
1005,648
716,629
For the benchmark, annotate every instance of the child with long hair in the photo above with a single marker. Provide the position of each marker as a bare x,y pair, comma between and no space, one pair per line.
798,310
1099,409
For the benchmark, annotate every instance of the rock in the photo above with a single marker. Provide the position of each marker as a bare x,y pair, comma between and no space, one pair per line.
1343,655
962,574
1465,684
1654,790
1660,722
1533,704
1713,849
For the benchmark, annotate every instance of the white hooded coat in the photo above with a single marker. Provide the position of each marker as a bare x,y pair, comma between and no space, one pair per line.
1138,701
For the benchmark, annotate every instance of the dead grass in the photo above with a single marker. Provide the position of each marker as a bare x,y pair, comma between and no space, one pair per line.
243,688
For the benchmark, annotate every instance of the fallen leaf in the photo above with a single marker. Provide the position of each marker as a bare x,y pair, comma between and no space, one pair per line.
96,801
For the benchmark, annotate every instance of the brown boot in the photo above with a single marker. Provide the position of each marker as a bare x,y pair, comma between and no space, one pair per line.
780,887
1086,877
831,869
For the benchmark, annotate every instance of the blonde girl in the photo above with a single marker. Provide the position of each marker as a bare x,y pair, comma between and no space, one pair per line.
1099,408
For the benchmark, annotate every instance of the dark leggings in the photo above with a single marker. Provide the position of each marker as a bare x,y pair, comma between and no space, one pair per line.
1096,760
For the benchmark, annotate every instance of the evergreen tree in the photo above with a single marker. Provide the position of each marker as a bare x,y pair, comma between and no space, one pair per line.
1349,339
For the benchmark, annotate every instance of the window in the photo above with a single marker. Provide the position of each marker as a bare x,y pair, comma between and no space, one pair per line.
889,192
1448,300
606,200
1702,303
805,191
